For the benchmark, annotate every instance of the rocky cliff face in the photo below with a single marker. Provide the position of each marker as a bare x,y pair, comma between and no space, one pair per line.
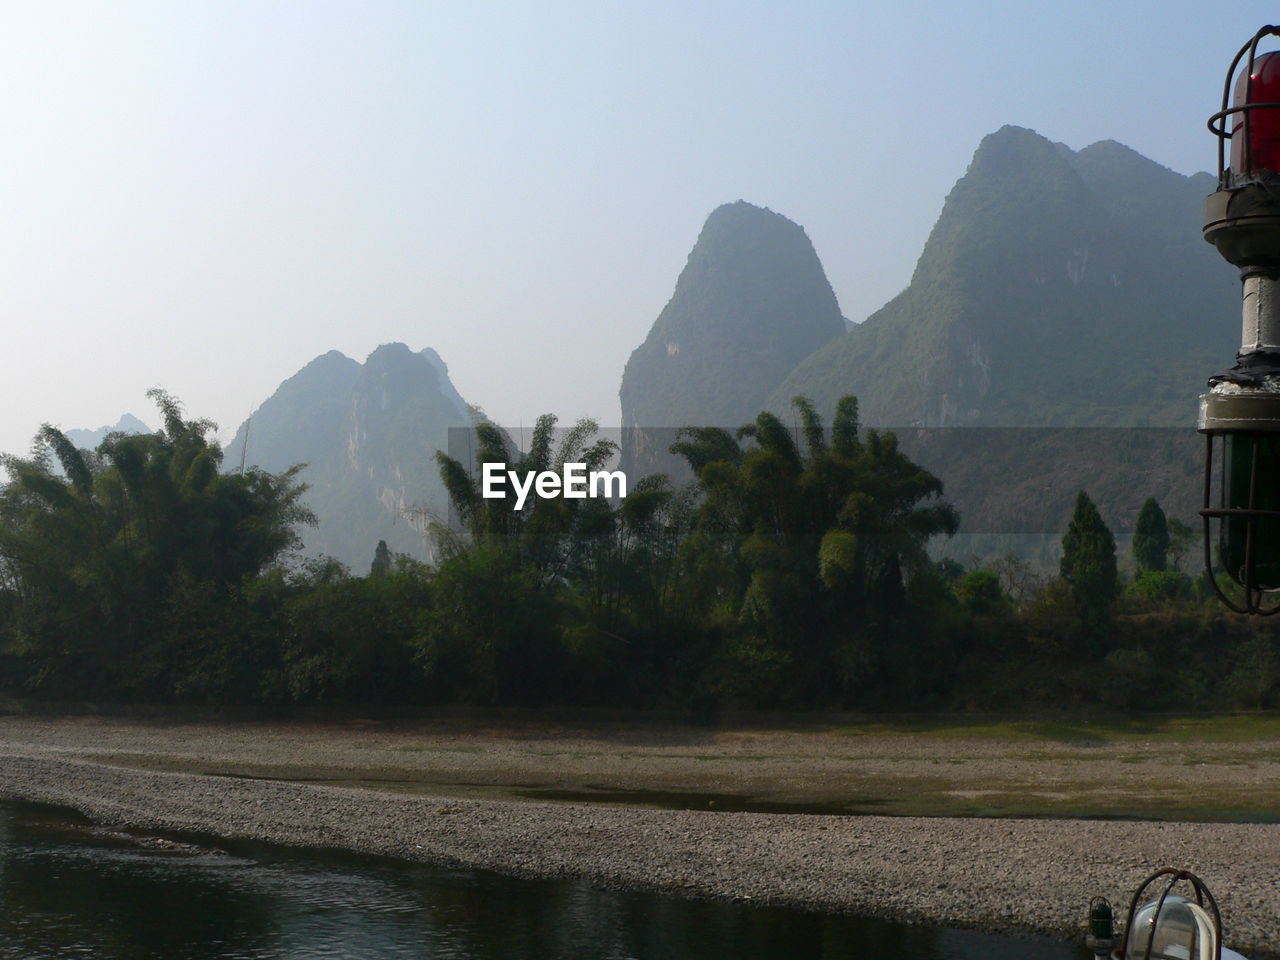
368,434
751,302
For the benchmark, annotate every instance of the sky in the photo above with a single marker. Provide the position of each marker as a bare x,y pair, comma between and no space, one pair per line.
205,197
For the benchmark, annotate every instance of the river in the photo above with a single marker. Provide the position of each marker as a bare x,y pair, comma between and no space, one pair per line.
70,889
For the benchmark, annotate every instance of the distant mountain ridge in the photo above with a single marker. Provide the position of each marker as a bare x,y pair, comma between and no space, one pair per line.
368,434
90,439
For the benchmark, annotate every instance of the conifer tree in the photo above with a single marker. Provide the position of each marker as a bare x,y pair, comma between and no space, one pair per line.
381,565
1089,568
1151,537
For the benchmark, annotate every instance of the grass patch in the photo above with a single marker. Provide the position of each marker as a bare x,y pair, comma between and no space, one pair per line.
1221,768
1093,732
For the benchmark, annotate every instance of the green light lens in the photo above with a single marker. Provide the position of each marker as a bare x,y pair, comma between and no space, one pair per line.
1266,496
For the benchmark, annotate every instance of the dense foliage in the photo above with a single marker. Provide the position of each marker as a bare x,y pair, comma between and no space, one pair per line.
795,572
118,565
815,548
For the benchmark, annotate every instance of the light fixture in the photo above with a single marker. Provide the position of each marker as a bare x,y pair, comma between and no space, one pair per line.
1170,926
1242,405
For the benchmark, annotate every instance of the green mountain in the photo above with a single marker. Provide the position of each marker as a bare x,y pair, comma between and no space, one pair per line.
1056,288
368,435
750,303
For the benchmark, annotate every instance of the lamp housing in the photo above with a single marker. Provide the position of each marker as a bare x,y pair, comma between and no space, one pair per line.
1240,413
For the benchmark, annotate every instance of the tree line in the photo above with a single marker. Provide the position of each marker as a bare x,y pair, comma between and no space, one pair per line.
794,572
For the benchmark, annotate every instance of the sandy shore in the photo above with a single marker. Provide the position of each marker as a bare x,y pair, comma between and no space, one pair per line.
1032,876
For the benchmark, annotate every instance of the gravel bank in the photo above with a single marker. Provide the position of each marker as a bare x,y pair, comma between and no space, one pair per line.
1018,875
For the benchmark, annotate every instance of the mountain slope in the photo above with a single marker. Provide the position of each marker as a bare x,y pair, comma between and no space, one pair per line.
368,435
297,424
1057,288
750,303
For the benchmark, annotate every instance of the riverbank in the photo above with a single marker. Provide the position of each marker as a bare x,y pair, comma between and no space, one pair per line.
442,793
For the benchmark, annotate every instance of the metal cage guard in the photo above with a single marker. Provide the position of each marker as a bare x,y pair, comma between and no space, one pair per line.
1203,897
1253,595
1217,122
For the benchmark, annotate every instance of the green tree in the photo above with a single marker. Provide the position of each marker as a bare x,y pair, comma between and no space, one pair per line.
1151,538
382,562
1181,538
1089,568
540,532
817,542
122,565
521,592
353,638
980,593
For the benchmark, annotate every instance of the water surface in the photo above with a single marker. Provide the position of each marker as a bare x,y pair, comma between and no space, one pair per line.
69,889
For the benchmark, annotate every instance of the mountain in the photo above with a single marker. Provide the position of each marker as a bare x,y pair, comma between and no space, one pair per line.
368,435
301,420
89,439
750,303
1056,288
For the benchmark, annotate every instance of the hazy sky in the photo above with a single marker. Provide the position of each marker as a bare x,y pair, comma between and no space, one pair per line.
206,196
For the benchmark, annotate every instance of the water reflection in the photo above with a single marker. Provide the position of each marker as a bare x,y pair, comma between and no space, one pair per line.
70,890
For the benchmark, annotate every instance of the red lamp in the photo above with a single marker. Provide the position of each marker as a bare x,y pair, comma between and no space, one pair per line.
1255,126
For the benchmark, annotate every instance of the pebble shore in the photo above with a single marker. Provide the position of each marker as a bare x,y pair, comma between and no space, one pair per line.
1022,876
